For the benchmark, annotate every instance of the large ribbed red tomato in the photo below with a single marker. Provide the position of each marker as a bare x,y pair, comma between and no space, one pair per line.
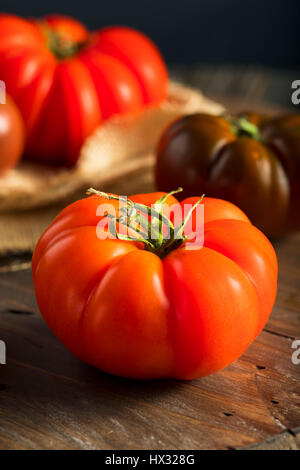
66,80
165,310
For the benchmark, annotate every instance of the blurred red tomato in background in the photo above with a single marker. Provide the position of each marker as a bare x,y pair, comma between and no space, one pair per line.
66,80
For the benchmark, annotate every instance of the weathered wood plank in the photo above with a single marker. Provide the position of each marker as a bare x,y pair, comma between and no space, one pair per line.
49,393
49,399
286,441
285,318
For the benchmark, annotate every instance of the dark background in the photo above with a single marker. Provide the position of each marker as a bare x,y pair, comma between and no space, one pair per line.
248,49
260,32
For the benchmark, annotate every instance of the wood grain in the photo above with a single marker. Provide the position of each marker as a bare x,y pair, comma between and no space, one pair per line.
49,399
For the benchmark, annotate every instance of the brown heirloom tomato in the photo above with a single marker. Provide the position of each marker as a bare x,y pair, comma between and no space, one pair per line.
252,161
12,135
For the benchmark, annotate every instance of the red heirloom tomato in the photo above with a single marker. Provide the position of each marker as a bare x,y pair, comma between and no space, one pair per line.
12,135
66,80
158,306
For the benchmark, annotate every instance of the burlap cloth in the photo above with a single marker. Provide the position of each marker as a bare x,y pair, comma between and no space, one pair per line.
118,157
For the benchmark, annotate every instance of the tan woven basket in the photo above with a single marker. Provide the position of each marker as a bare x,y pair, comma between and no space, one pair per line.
118,155
119,147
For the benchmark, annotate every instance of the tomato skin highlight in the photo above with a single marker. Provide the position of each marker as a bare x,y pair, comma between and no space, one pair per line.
212,308
116,86
131,314
128,312
67,80
145,62
12,135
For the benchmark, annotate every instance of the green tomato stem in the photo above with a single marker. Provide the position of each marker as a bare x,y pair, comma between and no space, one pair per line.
242,127
148,223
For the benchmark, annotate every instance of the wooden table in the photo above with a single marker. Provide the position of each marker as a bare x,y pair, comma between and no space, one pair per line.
50,400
